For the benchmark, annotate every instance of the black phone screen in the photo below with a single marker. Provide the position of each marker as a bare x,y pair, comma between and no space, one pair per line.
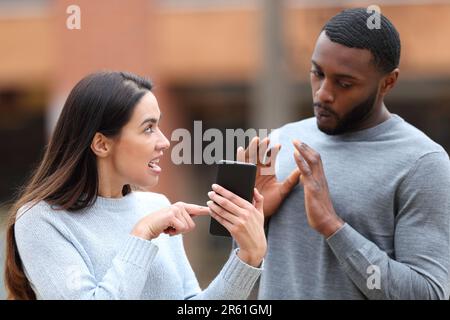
237,177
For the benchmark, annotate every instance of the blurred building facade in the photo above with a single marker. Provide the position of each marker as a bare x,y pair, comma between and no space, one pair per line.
207,60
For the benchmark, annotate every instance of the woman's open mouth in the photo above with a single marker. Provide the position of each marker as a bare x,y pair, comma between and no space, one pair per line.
153,165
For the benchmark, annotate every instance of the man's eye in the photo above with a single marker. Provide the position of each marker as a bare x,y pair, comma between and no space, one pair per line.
149,130
317,73
345,85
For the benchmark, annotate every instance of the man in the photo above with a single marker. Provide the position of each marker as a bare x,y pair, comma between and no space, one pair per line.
370,218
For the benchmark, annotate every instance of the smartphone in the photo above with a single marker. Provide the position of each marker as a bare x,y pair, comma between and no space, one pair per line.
237,177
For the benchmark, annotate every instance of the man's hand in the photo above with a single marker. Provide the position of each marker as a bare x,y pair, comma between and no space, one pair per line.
319,208
273,191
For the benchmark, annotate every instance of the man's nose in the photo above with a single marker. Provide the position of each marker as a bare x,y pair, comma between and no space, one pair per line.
325,95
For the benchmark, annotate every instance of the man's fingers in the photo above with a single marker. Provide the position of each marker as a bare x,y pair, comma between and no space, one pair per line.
240,154
311,156
302,165
270,156
251,153
258,200
269,161
256,152
290,182
262,150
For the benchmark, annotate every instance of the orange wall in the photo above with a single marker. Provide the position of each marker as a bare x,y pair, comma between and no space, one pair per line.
189,45
26,49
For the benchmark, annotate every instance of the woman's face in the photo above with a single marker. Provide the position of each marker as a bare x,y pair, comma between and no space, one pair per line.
140,145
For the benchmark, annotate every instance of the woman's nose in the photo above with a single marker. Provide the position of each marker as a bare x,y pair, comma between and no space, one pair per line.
163,143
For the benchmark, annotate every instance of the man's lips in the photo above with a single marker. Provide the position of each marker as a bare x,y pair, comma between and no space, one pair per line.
322,112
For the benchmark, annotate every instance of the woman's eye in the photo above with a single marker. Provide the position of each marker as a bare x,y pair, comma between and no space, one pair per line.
149,130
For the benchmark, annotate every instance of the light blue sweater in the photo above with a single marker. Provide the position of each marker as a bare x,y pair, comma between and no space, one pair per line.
90,254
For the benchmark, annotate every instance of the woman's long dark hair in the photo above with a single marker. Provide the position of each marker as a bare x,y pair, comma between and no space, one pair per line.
67,175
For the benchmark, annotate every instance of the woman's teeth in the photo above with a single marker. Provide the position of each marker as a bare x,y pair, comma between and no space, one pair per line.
154,166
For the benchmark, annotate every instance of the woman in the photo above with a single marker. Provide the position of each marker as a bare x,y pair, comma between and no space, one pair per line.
78,231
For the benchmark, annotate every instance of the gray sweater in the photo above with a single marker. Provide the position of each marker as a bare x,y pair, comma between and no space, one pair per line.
90,254
391,185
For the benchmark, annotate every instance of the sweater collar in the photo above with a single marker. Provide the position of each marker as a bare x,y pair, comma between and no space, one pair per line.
115,204
366,134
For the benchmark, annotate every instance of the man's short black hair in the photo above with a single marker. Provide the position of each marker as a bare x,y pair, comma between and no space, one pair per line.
350,29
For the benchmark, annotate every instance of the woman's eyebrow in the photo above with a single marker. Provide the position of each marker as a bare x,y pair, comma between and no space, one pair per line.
152,120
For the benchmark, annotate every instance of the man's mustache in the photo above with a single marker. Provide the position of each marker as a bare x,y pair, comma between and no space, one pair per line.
324,107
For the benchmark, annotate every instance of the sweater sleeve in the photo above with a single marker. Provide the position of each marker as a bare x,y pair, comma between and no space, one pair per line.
420,268
234,282
58,269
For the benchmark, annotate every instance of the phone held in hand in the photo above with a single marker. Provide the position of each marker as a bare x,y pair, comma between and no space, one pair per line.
237,177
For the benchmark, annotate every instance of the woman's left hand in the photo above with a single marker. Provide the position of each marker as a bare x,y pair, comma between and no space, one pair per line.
244,220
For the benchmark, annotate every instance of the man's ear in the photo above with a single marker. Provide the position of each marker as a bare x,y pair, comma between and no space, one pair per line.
389,81
101,145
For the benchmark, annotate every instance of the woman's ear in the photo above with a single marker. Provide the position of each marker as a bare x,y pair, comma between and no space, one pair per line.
101,145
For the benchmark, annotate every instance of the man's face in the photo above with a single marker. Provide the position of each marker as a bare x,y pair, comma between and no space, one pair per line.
344,84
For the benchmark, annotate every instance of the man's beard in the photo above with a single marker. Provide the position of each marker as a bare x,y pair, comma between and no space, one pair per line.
350,121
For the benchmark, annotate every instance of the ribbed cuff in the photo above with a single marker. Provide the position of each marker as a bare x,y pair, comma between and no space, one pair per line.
346,241
239,274
138,251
